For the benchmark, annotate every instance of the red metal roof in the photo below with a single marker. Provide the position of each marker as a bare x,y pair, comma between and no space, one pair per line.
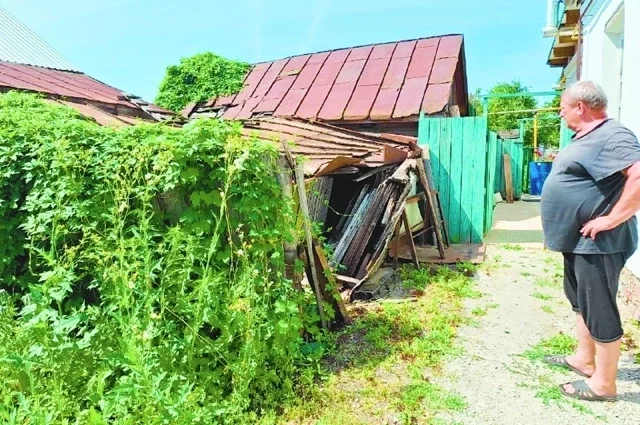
66,84
376,82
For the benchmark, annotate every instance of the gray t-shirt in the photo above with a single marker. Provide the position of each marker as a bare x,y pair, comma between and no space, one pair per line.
585,182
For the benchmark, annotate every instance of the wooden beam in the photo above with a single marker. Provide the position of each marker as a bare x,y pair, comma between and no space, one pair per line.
508,178
412,245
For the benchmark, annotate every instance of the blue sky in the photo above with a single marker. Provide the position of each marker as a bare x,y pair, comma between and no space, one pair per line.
129,43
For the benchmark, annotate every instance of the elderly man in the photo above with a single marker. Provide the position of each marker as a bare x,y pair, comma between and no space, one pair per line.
588,206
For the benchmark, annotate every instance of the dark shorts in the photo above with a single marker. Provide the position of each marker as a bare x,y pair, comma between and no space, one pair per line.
591,285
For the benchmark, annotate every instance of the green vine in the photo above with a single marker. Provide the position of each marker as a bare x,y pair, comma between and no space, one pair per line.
142,273
198,78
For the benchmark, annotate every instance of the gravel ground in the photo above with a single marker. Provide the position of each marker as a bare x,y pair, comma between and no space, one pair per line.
501,386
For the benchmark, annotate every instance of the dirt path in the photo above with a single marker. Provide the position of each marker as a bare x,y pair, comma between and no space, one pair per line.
498,374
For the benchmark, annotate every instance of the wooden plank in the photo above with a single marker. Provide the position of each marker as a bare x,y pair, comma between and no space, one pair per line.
444,178
508,177
455,191
473,253
412,245
431,204
479,163
304,209
491,180
466,195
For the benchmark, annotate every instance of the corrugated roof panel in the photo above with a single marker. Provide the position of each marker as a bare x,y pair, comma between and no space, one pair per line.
18,44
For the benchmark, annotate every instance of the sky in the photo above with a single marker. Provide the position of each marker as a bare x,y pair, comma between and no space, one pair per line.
129,43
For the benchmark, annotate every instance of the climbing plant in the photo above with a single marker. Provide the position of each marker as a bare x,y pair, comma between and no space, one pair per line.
142,274
200,77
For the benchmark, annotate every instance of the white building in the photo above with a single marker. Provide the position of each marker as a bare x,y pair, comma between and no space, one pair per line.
589,43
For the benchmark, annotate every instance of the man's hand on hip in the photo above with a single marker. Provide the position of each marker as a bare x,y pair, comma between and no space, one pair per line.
597,225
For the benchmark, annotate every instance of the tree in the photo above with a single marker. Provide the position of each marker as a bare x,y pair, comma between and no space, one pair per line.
506,113
198,78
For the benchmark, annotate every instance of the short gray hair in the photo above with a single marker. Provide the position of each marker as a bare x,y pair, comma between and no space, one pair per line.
588,92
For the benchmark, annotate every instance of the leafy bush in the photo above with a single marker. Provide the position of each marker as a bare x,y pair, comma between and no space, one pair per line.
141,273
198,78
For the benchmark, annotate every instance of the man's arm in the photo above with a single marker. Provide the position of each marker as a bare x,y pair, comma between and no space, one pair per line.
623,210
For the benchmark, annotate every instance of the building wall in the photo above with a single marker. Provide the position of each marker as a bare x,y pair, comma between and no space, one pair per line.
605,36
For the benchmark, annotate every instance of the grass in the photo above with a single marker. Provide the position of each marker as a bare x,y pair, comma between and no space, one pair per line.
544,385
547,309
541,296
513,247
482,311
378,369
560,344
546,282
526,274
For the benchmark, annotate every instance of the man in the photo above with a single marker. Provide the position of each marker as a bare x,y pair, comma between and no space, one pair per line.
588,206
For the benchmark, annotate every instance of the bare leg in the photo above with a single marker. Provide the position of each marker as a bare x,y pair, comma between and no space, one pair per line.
584,357
603,381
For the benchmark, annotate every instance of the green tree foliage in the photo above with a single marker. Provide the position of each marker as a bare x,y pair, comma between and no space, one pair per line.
142,273
502,115
198,78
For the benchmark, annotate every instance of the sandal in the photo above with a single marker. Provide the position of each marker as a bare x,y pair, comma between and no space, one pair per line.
583,392
562,361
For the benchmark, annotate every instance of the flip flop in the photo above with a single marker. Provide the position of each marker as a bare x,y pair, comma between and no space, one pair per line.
562,361
583,392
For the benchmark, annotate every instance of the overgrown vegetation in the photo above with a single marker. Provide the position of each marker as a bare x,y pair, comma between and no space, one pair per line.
142,274
198,78
379,369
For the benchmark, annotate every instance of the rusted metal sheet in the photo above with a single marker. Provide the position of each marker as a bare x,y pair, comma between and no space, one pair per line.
359,53
312,103
404,49
350,72
337,101
436,98
290,103
421,62
410,97
384,104
361,103
443,71
449,47
428,42
396,73
75,86
373,72
307,76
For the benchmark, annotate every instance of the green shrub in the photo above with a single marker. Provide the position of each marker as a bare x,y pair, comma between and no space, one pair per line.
141,273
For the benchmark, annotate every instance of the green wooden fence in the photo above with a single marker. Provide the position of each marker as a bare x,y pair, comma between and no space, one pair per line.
491,177
458,149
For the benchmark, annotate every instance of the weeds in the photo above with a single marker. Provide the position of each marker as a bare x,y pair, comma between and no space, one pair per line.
541,296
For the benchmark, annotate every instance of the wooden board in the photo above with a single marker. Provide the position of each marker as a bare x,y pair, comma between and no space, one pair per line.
466,210
473,253
508,178
479,171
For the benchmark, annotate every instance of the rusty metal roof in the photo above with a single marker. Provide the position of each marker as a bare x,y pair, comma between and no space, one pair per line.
73,86
326,147
18,44
367,83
